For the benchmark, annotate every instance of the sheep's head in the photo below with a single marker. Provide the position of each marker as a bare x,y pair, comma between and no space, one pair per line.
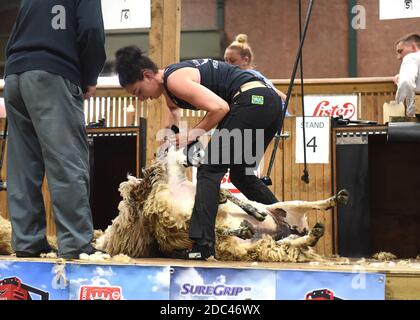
173,162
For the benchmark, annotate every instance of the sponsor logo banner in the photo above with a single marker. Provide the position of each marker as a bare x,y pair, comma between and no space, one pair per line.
318,285
331,106
222,284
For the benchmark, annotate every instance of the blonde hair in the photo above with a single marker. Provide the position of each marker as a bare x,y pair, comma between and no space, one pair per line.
241,45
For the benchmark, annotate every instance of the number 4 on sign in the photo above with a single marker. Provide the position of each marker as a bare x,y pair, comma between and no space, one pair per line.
317,140
312,144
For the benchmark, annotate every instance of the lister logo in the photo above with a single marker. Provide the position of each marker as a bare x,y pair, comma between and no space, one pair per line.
327,109
100,293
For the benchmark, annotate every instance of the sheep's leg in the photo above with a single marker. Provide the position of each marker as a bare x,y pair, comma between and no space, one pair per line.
309,240
248,208
341,197
245,231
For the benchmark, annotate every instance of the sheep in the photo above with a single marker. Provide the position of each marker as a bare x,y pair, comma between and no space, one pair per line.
5,237
155,211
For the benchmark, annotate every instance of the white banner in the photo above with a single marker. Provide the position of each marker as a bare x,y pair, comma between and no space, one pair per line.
227,184
331,106
399,9
317,139
126,14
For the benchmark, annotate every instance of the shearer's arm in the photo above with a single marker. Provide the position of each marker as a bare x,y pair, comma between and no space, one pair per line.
185,84
172,117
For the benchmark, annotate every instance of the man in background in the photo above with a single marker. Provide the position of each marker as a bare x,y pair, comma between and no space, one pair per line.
408,80
54,56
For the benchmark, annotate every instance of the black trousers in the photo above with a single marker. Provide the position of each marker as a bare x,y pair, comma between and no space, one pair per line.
250,126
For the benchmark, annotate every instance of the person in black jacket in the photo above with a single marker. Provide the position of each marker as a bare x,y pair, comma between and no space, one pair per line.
244,109
54,56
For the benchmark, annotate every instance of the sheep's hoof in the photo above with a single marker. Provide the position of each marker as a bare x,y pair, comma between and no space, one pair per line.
342,196
245,231
222,198
254,212
318,230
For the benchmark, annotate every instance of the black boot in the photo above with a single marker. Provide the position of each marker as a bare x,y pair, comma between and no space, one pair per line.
37,254
197,252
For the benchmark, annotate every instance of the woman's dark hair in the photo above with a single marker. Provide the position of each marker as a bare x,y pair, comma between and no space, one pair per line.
130,64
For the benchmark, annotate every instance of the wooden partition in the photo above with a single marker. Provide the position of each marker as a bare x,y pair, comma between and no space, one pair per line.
115,105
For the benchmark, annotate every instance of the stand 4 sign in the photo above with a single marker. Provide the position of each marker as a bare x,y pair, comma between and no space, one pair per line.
317,142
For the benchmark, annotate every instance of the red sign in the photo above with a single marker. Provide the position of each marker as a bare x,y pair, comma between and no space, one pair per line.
13,289
226,184
323,294
100,293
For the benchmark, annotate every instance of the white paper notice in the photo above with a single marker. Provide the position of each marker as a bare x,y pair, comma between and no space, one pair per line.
317,139
126,14
399,9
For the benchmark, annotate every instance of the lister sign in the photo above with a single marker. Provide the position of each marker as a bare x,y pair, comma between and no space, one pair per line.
331,106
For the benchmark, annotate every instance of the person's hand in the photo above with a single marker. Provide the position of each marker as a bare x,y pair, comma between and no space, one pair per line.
182,139
90,92
170,140
396,79
194,154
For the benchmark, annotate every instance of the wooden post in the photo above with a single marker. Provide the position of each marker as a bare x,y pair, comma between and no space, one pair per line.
164,49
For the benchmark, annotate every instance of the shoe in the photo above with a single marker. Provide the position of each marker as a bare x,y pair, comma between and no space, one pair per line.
197,252
25,254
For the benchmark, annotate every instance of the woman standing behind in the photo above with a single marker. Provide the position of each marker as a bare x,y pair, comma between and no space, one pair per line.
239,53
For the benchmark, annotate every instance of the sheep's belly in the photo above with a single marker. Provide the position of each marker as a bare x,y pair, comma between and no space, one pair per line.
232,215
228,214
